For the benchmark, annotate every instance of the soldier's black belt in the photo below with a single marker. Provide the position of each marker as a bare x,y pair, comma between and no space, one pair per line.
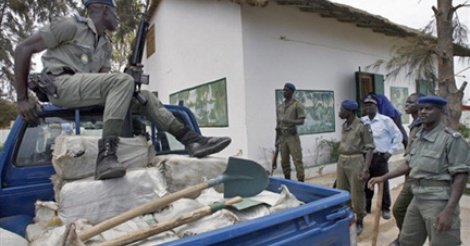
289,131
380,153
429,182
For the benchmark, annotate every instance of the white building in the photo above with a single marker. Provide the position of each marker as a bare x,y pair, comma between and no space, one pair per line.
317,45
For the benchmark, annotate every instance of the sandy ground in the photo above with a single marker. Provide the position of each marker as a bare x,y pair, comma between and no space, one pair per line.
387,229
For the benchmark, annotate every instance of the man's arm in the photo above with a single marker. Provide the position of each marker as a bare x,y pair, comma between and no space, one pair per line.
444,219
402,169
23,54
395,134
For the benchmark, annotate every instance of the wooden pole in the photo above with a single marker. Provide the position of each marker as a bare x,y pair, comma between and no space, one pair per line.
377,214
168,225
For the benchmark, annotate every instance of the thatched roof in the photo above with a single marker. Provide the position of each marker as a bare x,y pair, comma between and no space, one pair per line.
346,14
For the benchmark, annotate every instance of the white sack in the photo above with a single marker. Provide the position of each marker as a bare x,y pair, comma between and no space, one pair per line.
183,171
285,200
270,202
46,217
8,238
97,200
74,157
217,220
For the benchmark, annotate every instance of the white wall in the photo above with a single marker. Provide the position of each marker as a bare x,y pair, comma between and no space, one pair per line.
198,42
319,54
204,40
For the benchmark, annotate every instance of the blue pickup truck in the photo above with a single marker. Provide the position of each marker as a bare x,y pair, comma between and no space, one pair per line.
25,171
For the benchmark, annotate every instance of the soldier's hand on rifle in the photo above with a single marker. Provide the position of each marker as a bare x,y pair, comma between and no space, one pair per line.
28,109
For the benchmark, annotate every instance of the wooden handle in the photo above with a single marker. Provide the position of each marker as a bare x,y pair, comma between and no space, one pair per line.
149,207
377,214
168,225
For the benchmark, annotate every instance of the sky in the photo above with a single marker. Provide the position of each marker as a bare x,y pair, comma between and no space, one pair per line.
416,14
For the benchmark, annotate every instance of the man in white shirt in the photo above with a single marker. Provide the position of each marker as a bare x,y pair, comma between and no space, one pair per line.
387,141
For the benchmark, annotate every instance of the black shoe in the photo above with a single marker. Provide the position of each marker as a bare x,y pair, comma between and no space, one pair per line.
395,243
208,146
359,227
107,164
386,214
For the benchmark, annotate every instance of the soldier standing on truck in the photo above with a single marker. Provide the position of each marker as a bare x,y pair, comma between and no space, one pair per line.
438,166
355,154
405,196
290,114
76,64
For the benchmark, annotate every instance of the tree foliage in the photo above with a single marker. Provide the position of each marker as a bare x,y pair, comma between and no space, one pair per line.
430,56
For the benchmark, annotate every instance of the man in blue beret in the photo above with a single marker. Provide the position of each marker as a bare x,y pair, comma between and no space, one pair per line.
438,168
76,64
290,114
355,154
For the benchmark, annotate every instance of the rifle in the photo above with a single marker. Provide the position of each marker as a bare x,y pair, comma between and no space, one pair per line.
274,160
134,67
275,153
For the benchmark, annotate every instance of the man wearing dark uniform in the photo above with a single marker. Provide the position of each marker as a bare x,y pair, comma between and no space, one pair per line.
355,154
290,114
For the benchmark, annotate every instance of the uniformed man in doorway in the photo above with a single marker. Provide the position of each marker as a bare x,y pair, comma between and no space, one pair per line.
290,114
438,165
355,154
76,64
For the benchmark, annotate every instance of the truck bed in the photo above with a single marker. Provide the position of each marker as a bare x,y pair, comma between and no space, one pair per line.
324,219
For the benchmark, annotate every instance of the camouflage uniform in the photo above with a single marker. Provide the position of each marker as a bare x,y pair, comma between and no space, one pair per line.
434,158
289,141
355,141
75,56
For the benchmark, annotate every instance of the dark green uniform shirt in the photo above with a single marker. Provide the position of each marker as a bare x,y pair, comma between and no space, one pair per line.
74,43
356,138
436,156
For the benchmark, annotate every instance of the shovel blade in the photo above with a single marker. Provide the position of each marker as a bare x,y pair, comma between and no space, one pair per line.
244,178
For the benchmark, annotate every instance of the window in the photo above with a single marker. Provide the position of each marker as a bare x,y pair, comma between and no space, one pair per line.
37,144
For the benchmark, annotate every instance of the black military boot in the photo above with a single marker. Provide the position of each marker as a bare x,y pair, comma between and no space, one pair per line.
199,146
107,164
287,175
359,226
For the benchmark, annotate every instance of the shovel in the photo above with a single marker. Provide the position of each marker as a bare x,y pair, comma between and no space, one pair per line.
241,178
168,225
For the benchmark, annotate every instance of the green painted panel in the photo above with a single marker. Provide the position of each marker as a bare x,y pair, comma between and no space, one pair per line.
319,109
208,102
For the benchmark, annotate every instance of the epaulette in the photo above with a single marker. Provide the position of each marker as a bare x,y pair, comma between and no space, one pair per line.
80,19
453,132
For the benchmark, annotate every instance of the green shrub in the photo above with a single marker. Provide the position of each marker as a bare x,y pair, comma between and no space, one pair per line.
334,149
464,130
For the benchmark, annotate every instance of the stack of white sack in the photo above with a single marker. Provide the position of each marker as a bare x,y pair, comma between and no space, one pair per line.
40,234
74,157
182,171
97,200
86,202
